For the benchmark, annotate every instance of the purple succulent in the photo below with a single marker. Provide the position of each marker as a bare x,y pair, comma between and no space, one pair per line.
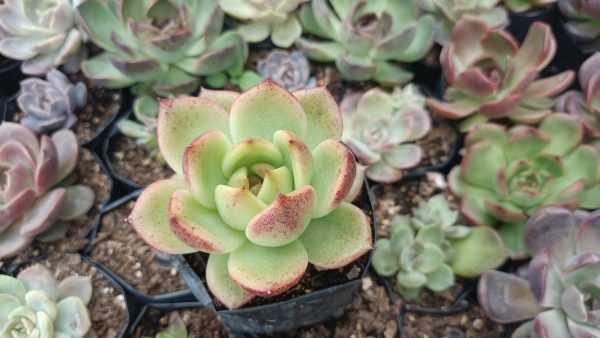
584,21
290,70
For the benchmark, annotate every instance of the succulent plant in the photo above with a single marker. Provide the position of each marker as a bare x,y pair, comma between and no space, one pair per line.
583,23
379,127
289,70
161,48
35,304
447,12
145,110
52,104
520,6
250,195
43,34
491,77
176,328
367,38
507,176
560,292
38,198
436,211
264,18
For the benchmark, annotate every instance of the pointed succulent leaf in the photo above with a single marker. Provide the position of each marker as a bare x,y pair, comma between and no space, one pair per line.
324,120
296,157
237,206
221,284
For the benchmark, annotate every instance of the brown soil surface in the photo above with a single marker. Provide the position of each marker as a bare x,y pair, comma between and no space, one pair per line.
118,247
200,323
437,144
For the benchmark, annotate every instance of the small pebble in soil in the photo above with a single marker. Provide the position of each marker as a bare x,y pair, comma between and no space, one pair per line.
453,333
478,324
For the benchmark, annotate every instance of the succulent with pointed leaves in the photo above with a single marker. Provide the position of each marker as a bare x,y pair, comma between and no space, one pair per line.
176,328
380,126
289,70
367,38
520,6
35,304
583,22
561,291
160,47
38,198
43,34
52,104
265,189
143,131
490,77
447,12
264,18
507,176
436,211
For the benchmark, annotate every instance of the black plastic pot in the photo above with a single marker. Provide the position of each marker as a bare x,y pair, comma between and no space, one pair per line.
569,55
300,311
520,22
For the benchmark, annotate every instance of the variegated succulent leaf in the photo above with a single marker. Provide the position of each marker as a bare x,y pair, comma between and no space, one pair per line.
366,39
289,70
35,304
34,196
249,195
381,128
583,22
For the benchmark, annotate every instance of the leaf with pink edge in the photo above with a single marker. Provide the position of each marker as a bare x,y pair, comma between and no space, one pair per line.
43,213
551,323
72,317
14,152
382,172
537,50
582,330
544,280
337,168
182,120
588,233
275,183
551,227
150,217
12,242
250,151
222,286
454,110
268,271
15,131
14,208
549,86
566,133
525,143
237,206
79,200
223,98
357,185
17,179
296,157
67,150
404,156
500,108
47,164
324,120
78,286
505,211
38,277
481,163
584,266
474,83
264,109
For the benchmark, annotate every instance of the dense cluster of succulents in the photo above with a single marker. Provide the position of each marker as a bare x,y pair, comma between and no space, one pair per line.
560,291
35,304
52,104
379,127
43,34
274,18
506,176
37,198
143,131
367,38
520,6
446,14
584,21
289,70
176,328
490,76
265,189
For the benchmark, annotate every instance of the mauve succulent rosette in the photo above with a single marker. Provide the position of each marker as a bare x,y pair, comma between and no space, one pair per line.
583,22
290,70
562,289
490,77
507,175
264,190
38,199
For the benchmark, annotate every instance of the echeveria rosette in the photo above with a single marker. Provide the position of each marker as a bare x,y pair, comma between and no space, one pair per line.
490,77
266,18
37,198
447,12
367,39
507,176
583,22
379,128
35,304
521,6
290,70
43,34
52,104
561,291
264,189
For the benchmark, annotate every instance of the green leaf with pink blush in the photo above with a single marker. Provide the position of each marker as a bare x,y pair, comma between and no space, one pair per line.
222,286
201,228
79,200
264,109
268,271
182,120
150,217
275,183
237,206
223,98
250,151
296,157
12,242
481,163
324,120
38,277
43,213
339,238
565,131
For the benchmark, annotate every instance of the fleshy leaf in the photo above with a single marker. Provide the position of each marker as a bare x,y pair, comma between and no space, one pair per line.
385,262
324,120
78,201
222,286
78,286
39,301
296,157
237,206
250,151
482,249
43,213
275,182
223,98
37,277
73,317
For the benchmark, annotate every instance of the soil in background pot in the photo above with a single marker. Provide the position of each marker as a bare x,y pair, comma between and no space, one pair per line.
472,323
200,323
118,247
438,144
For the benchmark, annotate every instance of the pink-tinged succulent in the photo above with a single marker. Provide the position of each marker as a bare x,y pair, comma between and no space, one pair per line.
379,128
562,289
289,70
507,176
520,6
265,189
490,76
35,304
584,21
36,199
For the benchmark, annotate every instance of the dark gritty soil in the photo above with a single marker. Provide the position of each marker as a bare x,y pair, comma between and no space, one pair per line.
118,247
438,144
200,323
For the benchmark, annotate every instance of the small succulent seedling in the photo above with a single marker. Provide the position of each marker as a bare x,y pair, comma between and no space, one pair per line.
366,39
264,190
52,104
490,77
507,176
289,70
35,304
143,129
380,127
521,6
37,198
176,328
583,22
561,291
